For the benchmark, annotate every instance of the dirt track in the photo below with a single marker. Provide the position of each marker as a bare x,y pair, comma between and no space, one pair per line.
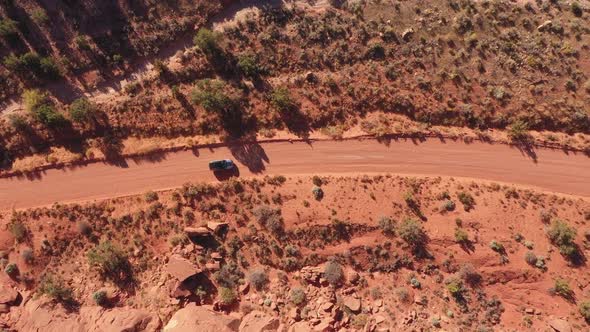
553,170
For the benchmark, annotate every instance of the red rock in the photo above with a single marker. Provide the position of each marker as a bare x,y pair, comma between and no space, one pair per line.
245,288
181,268
216,226
201,318
258,321
353,304
197,231
8,295
560,325
213,266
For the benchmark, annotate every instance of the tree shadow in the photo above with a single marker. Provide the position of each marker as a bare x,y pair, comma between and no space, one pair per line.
252,155
224,175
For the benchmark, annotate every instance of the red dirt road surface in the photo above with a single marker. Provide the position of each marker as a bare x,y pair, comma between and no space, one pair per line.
550,170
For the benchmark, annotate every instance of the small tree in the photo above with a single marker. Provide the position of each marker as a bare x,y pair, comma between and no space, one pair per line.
585,310
18,229
281,99
248,65
461,236
100,297
82,111
333,273
467,200
387,226
563,236
208,41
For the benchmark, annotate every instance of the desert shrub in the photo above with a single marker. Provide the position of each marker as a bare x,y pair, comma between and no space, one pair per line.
213,95
54,287
227,296
208,41
82,110
518,132
270,218
585,310
462,24
33,99
18,122
412,232
248,65
530,258
448,205
39,16
467,200
18,229
563,236
387,225
110,260
455,287
27,255
297,296
317,181
281,99
375,52
497,247
292,251
47,115
333,273
84,228
359,321
11,269
563,289
276,180
403,294
545,216
376,293
32,66
318,193
8,28
229,275
258,278
577,9
468,274
151,196
100,297
461,236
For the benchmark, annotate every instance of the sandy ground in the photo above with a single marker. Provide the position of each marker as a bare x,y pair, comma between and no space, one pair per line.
550,170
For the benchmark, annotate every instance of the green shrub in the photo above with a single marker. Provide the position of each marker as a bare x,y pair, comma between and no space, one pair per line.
18,122
577,9
318,193
448,205
100,297
298,296
47,115
563,236
227,296
467,200
412,232
213,97
39,16
55,288
32,66
281,99
84,228
82,110
461,236
317,181
11,269
110,260
18,229
563,289
208,41
258,278
333,273
8,28
248,65
455,287
27,255
497,247
33,99
150,196
585,310
518,132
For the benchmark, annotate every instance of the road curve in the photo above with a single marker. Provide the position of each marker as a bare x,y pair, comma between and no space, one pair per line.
553,170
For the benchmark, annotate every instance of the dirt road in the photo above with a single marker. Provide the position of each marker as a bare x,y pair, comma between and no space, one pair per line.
553,170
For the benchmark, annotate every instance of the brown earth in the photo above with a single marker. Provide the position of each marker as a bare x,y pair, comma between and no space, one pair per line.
551,170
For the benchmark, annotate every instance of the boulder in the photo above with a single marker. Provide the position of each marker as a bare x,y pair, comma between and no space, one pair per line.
352,304
201,318
324,326
545,25
97,319
560,325
300,327
181,268
244,289
257,321
216,226
353,277
197,231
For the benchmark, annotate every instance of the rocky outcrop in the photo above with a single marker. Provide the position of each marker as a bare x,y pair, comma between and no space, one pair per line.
181,268
258,321
201,318
44,315
560,325
8,297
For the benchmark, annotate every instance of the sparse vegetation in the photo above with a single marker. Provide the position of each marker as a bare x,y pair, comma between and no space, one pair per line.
467,200
55,288
227,296
412,233
563,236
298,296
110,260
258,279
563,289
333,273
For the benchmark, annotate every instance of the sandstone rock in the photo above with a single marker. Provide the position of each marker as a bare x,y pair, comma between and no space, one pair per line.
294,314
327,306
545,25
245,288
8,295
213,266
124,319
197,231
216,256
178,290
353,304
379,319
216,226
324,325
201,318
300,327
560,325
529,311
257,321
181,268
